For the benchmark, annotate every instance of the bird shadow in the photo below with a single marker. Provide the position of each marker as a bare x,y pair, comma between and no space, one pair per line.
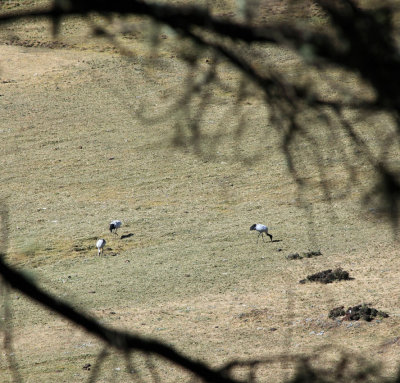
126,235
276,240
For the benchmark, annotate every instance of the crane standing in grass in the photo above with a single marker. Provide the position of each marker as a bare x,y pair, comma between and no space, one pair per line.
100,245
262,229
115,225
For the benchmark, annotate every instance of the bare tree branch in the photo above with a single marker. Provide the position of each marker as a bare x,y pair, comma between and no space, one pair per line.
359,41
120,340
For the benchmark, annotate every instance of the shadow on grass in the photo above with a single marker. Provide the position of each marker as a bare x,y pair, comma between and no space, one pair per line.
127,235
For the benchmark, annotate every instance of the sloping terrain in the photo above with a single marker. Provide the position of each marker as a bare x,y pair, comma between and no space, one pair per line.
87,136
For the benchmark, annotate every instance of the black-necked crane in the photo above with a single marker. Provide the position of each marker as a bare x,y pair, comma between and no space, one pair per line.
100,245
115,225
262,229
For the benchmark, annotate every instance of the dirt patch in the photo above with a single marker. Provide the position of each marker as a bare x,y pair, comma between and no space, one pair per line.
15,40
255,314
291,257
311,254
358,312
308,254
391,342
328,276
28,65
79,248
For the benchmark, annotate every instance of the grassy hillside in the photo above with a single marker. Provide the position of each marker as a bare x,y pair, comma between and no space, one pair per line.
88,136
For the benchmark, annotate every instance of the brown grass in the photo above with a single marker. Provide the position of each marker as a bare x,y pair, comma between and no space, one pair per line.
192,272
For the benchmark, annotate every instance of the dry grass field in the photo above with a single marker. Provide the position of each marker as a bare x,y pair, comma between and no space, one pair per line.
87,136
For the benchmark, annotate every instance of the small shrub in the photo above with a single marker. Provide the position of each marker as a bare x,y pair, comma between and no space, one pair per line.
328,276
337,312
358,312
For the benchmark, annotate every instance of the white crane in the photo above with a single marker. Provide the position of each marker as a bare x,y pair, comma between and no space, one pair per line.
100,245
262,229
115,225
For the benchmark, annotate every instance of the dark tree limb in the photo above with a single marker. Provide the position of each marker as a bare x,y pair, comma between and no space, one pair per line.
120,340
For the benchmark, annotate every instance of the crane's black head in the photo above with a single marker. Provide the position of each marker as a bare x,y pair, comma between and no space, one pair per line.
253,227
270,236
112,227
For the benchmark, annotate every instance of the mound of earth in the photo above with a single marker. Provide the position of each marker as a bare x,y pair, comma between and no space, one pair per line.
357,312
328,276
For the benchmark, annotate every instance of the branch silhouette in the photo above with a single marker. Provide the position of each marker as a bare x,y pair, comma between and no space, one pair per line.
119,340
360,41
